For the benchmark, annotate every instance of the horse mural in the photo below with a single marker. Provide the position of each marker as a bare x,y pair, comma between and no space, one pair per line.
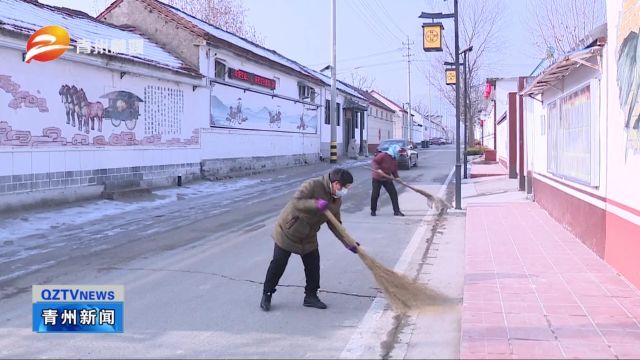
89,111
302,126
78,108
235,116
275,118
69,106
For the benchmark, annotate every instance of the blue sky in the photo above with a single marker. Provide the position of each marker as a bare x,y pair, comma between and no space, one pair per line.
370,34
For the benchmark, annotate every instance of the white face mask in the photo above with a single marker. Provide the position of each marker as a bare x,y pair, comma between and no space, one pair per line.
342,192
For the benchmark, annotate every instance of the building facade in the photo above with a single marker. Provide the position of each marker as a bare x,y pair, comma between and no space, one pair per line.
582,140
265,110
99,121
399,118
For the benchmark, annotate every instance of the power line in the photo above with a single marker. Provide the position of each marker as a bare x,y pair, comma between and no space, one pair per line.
371,65
360,57
372,23
376,17
365,20
386,12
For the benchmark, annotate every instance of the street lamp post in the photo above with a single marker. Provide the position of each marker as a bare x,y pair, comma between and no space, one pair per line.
467,100
433,16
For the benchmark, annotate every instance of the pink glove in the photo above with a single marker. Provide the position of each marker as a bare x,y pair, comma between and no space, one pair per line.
321,204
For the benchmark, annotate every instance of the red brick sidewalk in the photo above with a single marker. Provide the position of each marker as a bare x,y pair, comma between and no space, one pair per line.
534,291
483,170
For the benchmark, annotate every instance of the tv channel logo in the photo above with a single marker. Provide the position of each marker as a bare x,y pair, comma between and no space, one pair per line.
78,308
47,43
51,42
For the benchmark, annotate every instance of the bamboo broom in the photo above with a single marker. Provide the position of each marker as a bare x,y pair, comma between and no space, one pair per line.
433,200
401,292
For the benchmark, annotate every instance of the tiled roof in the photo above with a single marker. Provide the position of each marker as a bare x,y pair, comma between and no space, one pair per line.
215,34
25,17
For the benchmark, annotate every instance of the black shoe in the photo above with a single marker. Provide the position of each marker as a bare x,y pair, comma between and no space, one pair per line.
373,213
398,213
265,303
314,302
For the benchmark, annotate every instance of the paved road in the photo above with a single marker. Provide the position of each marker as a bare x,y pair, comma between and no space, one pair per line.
192,262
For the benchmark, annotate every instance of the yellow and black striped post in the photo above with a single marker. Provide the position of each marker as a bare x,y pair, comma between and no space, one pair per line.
334,153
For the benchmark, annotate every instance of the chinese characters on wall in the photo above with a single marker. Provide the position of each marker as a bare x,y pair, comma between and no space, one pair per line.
164,109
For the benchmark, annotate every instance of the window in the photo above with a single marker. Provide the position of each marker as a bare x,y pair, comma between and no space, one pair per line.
327,108
327,119
221,70
572,149
306,92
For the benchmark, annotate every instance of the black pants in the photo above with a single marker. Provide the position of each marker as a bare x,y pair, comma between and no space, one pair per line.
279,262
391,190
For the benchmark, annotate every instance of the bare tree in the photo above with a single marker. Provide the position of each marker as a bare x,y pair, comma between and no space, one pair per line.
561,25
361,81
228,15
423,110
480,25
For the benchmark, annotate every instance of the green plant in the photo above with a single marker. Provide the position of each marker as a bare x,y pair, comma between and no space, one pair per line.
476,150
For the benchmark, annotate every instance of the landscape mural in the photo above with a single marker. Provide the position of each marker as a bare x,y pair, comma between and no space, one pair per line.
235,108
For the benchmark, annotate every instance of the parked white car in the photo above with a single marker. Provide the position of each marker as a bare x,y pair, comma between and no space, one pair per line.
408,156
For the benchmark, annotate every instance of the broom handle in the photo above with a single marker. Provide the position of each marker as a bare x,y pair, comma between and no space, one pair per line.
345,235
402,182
392,178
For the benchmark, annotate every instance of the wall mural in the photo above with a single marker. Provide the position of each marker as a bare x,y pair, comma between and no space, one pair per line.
20,97
78,121
52,136
79,109
235,108
123,107
164,110
628,77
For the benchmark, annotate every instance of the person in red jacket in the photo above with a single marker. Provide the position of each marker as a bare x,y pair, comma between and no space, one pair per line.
386,163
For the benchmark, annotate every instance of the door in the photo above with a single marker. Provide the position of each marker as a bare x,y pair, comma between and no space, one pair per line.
348,130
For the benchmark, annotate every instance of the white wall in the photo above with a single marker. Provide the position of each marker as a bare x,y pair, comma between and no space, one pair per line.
535,118
399,118
44,80
417,133
380,124
232,143
229,143
325,129
489,126
503,88
623,151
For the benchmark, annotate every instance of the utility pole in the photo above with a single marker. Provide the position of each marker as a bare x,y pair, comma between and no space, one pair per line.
409,121
332,115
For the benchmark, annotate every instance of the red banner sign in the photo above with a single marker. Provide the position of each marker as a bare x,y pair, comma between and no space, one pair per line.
254,79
